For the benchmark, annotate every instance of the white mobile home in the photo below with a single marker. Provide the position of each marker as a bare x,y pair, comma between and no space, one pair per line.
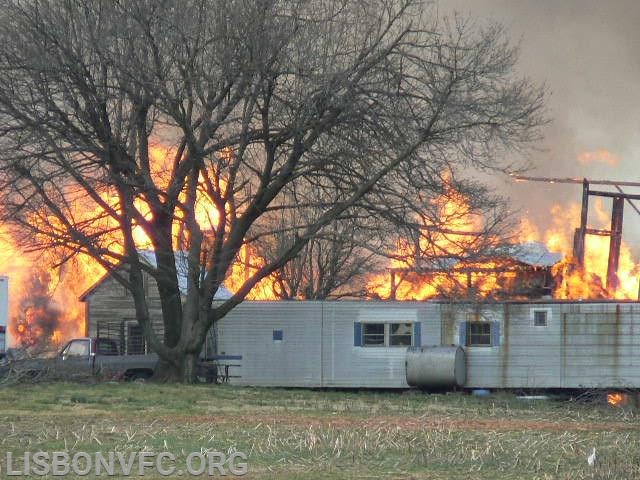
546,344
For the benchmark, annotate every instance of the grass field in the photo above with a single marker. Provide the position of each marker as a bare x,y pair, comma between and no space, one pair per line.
289,434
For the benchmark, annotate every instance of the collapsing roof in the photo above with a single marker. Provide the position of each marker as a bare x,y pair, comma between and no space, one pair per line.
531,254
512,271
534,254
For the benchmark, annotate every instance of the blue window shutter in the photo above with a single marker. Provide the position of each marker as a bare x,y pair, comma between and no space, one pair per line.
462,340
495,334
417,337
357,334
278,335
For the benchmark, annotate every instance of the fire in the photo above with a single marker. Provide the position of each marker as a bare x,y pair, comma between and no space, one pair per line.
429,268
247,264
600,156
44,304
588,282
409,279
44,310
617,399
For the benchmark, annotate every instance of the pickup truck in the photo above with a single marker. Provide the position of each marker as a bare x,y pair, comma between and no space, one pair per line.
89,356
101,356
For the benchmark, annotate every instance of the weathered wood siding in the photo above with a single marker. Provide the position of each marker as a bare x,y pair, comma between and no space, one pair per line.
111,302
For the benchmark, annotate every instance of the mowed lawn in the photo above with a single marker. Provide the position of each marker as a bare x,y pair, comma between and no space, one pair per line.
296,433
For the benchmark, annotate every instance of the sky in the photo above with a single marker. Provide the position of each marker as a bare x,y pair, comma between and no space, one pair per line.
587,54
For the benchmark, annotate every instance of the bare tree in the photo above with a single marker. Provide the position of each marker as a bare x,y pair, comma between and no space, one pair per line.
333,264
248,99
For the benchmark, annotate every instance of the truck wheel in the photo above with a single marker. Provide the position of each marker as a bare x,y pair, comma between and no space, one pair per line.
139,376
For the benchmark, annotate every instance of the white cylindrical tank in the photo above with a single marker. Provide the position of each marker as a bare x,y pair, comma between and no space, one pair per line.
436,367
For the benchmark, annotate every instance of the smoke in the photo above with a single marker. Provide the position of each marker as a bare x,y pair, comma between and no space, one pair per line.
585,53
38,318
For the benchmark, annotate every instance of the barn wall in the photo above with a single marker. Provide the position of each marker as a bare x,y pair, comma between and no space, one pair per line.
110,302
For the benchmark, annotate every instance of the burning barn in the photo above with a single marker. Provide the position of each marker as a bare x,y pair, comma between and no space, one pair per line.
518,271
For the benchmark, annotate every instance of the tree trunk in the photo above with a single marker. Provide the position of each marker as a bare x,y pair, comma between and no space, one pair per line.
179,369
168,371
189,368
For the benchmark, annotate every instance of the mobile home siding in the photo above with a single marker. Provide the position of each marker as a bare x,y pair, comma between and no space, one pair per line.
292,361
582,345
322,349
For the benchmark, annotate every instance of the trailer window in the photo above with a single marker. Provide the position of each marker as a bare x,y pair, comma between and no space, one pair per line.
387,334
373,334
539,318
478,334
400,334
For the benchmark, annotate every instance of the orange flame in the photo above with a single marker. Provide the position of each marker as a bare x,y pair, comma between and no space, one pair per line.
617,399
58,315
588,282
438,245
598,156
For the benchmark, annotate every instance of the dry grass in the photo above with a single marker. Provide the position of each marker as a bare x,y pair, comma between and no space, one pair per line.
325,434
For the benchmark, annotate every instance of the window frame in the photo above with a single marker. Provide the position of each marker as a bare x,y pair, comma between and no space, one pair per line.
494,334
547,319
386,334
488,342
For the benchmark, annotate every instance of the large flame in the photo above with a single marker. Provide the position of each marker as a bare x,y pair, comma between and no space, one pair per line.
429,268
407,280
44,306
44,309
588,282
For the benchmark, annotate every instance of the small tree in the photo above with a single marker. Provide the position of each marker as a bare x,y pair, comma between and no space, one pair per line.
245,100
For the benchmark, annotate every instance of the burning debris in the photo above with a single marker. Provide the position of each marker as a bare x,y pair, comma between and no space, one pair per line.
587,263
519,271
